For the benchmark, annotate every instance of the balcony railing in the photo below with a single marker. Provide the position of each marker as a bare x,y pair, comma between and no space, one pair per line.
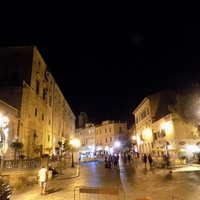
21,164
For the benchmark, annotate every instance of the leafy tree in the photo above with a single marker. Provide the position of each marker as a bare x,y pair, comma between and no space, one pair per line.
126,141
67,146
16,145
188,108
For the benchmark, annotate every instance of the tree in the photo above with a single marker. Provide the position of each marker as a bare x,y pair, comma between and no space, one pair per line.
126,141
188,108
16,145
67,146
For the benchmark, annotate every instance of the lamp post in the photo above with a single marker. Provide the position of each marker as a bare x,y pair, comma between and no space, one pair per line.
117,144
72,165
75,143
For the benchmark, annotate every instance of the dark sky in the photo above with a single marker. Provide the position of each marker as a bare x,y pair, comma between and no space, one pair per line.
107,56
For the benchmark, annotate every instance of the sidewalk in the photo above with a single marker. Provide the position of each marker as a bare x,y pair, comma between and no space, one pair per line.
68,173
32,192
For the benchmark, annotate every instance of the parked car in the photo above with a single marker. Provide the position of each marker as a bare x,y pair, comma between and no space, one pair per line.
5,190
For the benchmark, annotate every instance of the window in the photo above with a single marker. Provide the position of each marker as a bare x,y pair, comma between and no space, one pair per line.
50,101
163,133
110,139
42,117
44,94
35,111
37,86
34,135
155,136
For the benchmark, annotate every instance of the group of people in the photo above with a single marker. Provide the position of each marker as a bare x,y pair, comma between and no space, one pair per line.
148,158
111,160
130,156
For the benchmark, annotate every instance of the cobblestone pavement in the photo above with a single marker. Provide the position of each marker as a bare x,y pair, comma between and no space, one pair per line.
53,192
57,191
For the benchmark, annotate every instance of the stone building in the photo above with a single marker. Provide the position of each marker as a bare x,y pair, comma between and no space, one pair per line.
109,135
27,84
82,120
103,137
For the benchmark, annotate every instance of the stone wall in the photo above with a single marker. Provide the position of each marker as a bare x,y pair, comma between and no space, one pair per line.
21,178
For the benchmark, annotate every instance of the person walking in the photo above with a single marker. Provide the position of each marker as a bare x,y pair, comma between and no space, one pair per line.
144,158
42,174
129,156
150,159
106,162
109,161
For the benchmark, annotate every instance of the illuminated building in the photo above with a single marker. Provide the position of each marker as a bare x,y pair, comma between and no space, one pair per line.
26,84
103,137
157,127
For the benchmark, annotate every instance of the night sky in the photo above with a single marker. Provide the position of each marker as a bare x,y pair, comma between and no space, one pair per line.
107,56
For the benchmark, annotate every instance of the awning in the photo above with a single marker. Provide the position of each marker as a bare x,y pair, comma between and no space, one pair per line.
172,149
86,148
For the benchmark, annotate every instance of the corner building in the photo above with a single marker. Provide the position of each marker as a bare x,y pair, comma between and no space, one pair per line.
26,84
158,128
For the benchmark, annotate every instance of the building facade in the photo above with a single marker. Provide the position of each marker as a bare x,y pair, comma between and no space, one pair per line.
26,84
159,128
103,138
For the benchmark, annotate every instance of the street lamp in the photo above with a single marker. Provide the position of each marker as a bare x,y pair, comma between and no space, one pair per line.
75,143
117,144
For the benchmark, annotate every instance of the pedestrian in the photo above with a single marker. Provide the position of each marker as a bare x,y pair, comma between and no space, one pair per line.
138,155
125,157
115,162
150,159
129,157
106,162
144,158
42,174
109,161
